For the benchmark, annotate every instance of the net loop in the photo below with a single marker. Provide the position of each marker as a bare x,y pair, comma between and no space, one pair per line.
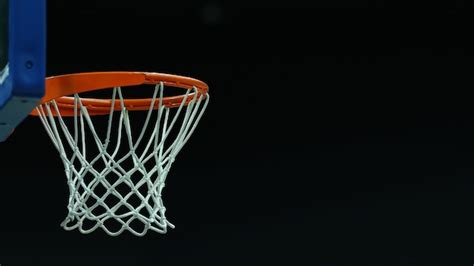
116,183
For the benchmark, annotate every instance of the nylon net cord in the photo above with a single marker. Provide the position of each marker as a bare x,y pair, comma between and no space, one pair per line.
96,184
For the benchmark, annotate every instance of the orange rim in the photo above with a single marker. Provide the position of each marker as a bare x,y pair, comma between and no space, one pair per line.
58,87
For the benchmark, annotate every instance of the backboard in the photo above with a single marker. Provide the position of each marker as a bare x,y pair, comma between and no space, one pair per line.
22,60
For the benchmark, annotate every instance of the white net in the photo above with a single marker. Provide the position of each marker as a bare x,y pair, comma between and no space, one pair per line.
112,189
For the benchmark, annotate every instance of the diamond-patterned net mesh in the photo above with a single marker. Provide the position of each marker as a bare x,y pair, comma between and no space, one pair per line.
116,183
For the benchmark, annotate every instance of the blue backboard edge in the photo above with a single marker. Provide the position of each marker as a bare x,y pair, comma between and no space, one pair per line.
25,84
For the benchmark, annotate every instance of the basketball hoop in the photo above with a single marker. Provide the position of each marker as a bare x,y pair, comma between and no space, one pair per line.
113,189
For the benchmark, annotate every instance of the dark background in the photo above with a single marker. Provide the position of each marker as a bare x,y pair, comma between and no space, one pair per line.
338,133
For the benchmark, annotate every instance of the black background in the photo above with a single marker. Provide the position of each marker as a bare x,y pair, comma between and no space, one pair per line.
338,133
